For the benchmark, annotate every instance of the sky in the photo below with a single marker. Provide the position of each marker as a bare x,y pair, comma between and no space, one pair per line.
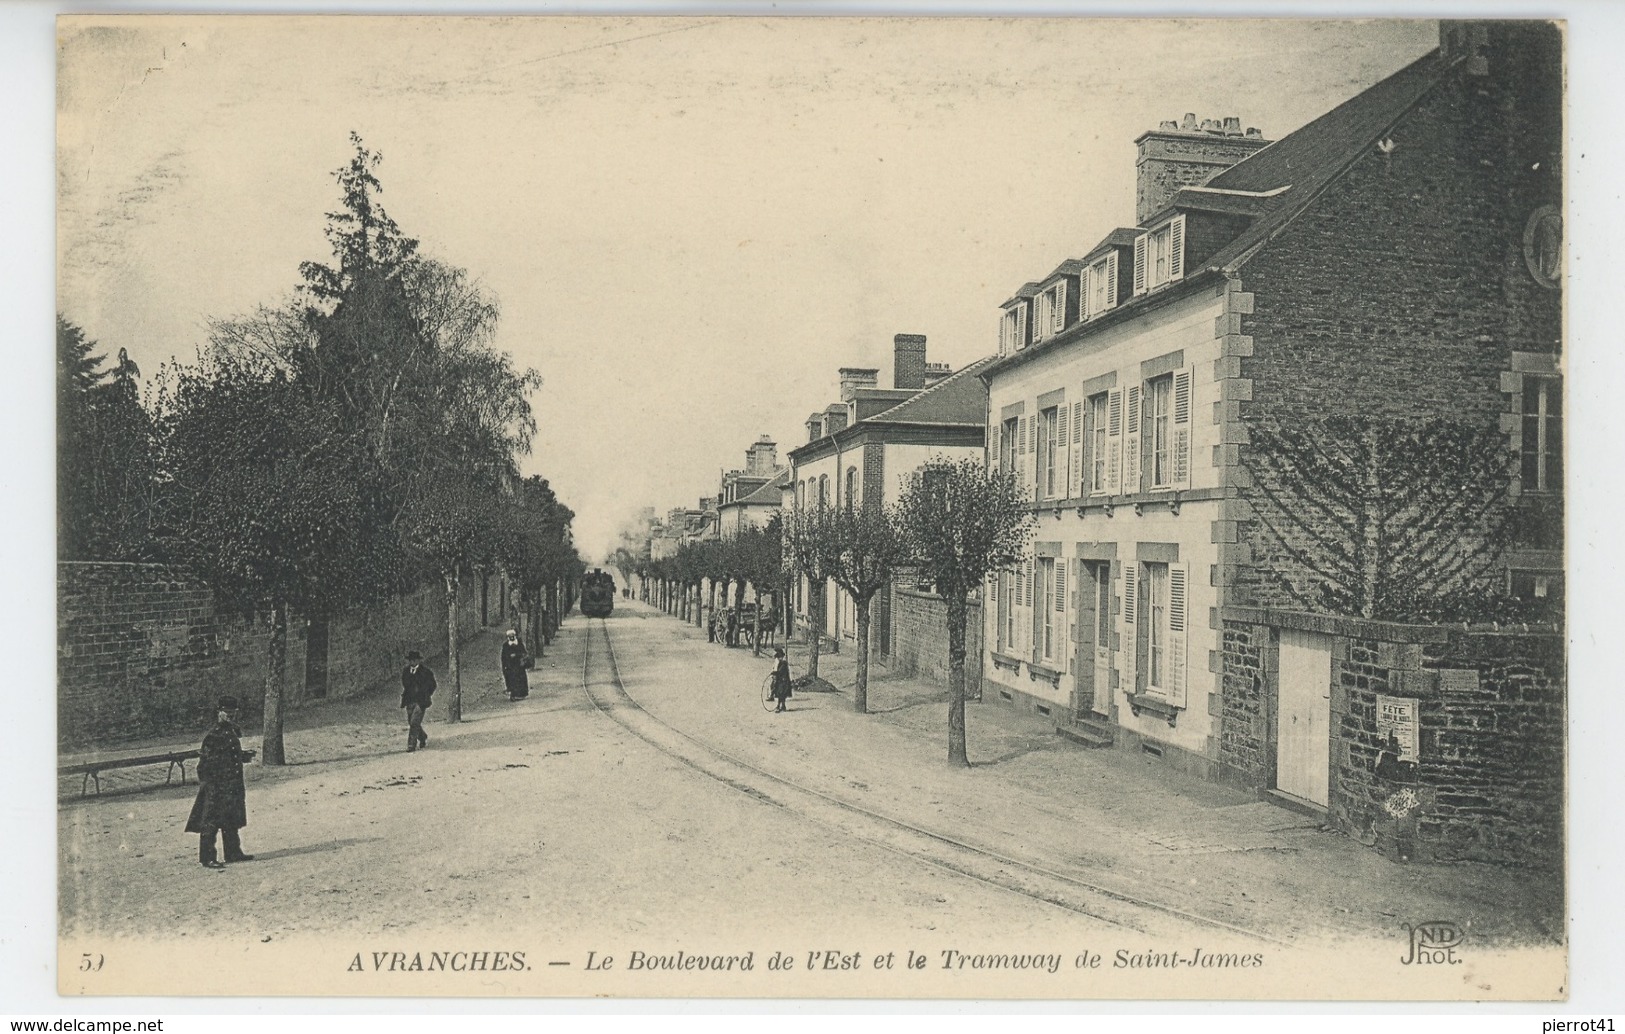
690,224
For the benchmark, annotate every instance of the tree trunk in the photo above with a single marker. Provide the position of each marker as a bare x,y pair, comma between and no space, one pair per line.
454,711
789,607
860,693
711,604
535,630
756,637
956,679
276,665
815,625
550,619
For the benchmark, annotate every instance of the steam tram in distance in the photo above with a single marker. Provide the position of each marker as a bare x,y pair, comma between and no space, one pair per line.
597,594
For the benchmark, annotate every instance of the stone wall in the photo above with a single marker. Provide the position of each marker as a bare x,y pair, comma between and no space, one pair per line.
919,630
144,651
1491,705
1400,297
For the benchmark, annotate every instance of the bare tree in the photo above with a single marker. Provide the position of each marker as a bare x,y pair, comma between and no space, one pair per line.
962,522
807,548
865,546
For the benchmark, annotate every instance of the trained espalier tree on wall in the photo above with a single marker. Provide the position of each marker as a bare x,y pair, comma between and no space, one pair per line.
1384,519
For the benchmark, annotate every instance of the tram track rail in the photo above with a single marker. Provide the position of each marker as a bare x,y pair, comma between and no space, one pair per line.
1026,879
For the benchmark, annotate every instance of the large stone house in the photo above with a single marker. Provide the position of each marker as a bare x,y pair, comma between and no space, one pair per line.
1294,443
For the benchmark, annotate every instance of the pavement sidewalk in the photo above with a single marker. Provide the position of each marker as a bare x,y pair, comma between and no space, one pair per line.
1120,820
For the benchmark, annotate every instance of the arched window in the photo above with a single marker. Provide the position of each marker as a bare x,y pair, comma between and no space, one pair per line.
823,490
851,487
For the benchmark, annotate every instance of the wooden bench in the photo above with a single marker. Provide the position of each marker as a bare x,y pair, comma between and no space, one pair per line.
92,770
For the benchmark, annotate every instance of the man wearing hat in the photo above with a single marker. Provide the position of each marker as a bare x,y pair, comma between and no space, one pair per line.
220,803
417,690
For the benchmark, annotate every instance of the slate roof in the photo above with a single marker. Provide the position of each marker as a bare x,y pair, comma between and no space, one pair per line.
1027,290
959,398
1122,237
770,493
1310,158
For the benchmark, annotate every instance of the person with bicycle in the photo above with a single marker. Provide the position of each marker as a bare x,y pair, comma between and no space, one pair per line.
781,679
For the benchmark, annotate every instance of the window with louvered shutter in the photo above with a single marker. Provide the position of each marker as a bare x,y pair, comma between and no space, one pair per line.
1176,248
1178,606
1086,294
1159,416
1141,244
1131,440
1060,585
1021,326
1075,476
1111,280
993,456
1114,441
1131,574
1063,452
1182,428
1058,308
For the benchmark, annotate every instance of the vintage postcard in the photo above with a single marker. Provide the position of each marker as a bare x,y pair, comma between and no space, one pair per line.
749,507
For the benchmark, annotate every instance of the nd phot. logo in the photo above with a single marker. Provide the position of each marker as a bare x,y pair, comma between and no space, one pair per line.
1433,944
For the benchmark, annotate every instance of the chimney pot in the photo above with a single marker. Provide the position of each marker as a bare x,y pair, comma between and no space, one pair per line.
1188,123
1253,133
1232,125
1168,125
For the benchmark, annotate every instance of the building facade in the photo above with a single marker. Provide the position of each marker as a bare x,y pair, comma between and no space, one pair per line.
864,448
1294,441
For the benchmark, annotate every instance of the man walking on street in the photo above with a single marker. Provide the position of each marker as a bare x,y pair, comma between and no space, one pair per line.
417,691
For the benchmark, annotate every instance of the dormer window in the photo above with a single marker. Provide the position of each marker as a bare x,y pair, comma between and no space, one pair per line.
1159,256
1051,319
1100,286
1013,330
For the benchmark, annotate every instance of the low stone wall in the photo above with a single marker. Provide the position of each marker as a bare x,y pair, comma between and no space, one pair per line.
142,651
919,646
1489,706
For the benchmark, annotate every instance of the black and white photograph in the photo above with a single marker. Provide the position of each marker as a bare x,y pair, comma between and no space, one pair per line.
749,507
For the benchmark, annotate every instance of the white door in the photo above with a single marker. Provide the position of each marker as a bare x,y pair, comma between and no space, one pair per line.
1303,747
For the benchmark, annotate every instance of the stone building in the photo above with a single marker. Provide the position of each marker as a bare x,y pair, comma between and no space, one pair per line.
1294,441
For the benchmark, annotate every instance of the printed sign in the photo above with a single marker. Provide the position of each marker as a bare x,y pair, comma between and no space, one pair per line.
1396,719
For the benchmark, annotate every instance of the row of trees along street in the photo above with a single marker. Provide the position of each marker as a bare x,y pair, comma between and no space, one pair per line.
956,524
356,440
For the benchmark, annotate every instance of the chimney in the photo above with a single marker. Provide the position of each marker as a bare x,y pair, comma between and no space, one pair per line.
1467,39
834,419
815,427
853,378
762,458
936,373
707,503
908,368
1169,159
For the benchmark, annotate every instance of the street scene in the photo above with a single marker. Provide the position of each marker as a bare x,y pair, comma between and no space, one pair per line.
1164,597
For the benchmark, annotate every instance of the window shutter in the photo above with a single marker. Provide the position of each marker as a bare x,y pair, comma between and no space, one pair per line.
1131,441
1060,584
1177,607
1075,475
993,448
1176,248
1140,244
1128,657
1059,315
1063,452
1114,442
1111,280
1084,293
1021,326
1182,428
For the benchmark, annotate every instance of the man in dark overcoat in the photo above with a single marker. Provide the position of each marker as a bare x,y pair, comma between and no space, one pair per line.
417,692
220,803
